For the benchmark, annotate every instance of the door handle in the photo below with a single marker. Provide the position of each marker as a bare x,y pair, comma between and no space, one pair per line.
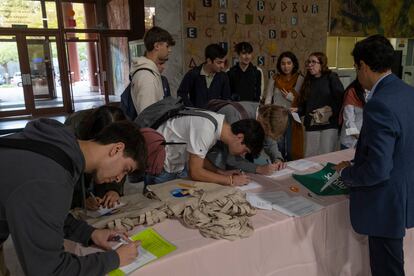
26,79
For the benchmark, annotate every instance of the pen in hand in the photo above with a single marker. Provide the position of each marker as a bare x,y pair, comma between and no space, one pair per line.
94,198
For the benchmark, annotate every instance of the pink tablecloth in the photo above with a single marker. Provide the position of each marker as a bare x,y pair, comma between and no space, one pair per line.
319,244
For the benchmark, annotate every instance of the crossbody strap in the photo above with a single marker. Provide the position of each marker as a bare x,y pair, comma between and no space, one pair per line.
49,150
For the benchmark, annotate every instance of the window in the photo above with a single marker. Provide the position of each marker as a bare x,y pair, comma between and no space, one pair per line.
338,50
28,14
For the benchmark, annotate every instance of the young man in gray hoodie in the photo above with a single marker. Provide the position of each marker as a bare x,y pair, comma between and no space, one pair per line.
146,84
36,193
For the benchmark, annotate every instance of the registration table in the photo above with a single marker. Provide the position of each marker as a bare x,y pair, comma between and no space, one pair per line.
322,243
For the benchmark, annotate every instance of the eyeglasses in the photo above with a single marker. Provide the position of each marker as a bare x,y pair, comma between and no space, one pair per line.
312,62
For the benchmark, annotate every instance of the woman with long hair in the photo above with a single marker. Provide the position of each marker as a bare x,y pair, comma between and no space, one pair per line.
283,86
283,90
320,102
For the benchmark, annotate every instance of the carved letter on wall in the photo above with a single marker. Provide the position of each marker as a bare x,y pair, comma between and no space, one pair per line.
315,8
283,6
294,9
223,4
260,6
207,3
305,8
222,18
272,34
192,63
261,19
208,32
224,45
270,73
191,15
294,20
192,32
261,60
283,34
236,18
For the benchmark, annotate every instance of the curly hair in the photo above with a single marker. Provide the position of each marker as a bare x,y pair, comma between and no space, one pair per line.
274,120
305,90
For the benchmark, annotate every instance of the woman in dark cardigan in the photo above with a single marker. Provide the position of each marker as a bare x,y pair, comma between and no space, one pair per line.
320,102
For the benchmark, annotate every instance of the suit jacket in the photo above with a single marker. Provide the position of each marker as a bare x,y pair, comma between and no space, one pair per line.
381,180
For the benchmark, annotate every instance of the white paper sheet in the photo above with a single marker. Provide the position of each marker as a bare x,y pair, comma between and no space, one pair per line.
258,202
280,173
296,117
250,186
144,257
302,164
103,211
292,206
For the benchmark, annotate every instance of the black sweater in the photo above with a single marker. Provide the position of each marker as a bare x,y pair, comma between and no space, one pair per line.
325,90
194,92
245,86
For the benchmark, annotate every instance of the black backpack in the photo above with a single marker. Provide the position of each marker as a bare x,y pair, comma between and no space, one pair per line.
156,114
217,104
127,105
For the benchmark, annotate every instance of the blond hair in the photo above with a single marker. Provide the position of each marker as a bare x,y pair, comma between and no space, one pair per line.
274,120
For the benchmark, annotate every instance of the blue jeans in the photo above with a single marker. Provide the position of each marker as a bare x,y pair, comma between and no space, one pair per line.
164,176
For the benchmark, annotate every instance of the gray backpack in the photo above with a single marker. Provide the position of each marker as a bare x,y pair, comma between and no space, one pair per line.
158,113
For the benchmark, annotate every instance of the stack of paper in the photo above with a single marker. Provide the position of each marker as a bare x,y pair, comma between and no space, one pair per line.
295,206
153,246
250,186
280,173
302,164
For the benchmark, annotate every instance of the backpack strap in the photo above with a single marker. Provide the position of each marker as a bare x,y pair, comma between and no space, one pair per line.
217,104
49,150
140,69
240,109
197,112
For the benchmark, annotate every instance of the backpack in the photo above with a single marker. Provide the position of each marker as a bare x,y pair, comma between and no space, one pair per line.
217,104
158,113
127,105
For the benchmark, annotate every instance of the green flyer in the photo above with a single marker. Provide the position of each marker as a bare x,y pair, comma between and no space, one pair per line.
317,180
153,246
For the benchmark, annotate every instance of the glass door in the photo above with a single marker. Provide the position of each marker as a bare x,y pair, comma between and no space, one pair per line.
29,75
44,71
12,96
86,77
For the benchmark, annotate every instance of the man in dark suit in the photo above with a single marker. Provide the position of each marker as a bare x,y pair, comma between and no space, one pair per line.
380,180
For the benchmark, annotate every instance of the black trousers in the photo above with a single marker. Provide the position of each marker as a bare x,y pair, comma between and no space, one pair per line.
386,256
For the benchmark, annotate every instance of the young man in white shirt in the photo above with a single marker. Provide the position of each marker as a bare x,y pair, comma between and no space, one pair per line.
199,135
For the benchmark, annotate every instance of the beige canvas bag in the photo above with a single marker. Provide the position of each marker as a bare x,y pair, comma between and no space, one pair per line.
219,212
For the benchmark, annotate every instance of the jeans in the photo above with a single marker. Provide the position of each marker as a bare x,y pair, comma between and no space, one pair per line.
164,176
